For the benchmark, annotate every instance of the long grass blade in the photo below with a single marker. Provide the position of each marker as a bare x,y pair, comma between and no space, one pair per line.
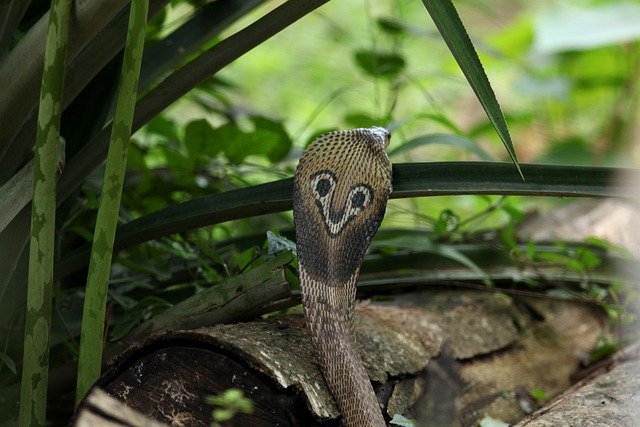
19,93
91,339
11,12
100,51
409,180
207,22
35,371
446,18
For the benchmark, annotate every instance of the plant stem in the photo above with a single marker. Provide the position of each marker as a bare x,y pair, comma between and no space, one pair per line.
91,337
35,372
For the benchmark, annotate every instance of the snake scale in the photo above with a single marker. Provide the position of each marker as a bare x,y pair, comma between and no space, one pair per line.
340,193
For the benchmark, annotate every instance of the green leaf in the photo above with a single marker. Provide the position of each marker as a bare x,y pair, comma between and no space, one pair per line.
589,259
239,145
391,26
446,18
447,222
445,139
230,402
136,158
363,120
377,64
164,127
223,414
200,139
242,260
395,27
603,244
8,362
508,237
604,349
179,163
422,244
156,25
282,142
538,394
401,421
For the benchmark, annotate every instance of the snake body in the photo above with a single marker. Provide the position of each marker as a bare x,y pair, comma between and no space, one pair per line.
341,188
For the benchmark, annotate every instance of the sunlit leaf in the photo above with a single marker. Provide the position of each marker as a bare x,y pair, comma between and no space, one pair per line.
538,394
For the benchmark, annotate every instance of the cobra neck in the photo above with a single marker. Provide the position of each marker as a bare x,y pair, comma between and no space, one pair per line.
329,312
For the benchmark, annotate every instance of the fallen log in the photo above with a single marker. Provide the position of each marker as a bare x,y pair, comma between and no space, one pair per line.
497,345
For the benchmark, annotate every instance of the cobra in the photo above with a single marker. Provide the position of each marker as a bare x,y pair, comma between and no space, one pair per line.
340,194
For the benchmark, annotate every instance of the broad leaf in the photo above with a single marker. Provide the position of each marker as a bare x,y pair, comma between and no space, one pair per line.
200,139
378,64
282,142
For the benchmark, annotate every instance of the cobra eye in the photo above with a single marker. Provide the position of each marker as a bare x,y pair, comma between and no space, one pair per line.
323,186
358,199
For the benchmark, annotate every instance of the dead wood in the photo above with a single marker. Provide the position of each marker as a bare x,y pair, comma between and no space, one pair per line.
102,410
497,344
